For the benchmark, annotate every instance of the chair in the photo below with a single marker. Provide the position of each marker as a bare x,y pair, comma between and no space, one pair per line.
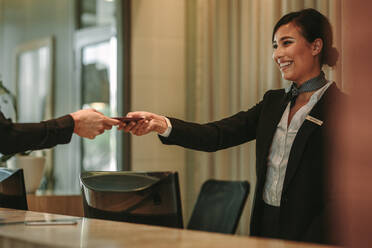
219,206
12,189
138,197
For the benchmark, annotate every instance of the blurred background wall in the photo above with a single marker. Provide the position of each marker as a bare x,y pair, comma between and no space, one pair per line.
23,21
158,79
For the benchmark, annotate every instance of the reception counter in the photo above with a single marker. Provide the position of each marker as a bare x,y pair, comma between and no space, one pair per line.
109,234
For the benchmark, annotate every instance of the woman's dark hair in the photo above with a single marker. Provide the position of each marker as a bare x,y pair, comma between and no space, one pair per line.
313,25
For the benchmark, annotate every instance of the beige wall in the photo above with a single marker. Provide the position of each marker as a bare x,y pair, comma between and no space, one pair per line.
158,84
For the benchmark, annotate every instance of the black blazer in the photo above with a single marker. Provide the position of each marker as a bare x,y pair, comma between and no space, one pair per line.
20,137
303,201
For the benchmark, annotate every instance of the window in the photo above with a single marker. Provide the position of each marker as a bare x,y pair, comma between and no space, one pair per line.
96,60
96,13
102,40
99,92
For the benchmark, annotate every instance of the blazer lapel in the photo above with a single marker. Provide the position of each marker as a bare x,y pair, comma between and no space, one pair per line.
271,125
303,135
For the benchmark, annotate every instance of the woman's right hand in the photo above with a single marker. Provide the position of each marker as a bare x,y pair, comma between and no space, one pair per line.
150,123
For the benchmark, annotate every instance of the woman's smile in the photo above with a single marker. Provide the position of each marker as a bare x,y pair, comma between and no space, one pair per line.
284,65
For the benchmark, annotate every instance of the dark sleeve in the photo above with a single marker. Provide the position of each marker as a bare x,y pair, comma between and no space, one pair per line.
19,137
217,135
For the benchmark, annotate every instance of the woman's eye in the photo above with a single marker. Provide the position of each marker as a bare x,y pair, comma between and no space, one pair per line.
275,46
287,42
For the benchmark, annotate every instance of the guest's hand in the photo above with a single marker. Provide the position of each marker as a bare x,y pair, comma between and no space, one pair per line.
151,123
89,123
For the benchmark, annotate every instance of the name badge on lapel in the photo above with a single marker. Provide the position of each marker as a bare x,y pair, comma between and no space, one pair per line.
314,120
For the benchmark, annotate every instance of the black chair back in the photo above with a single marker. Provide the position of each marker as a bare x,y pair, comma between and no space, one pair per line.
138,197
12,189
219,206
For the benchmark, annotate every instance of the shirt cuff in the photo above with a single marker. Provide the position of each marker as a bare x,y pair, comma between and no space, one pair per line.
168,130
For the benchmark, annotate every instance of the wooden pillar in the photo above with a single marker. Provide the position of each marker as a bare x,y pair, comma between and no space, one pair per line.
352,157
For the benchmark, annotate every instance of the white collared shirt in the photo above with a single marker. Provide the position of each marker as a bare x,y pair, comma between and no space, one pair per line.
281,147
169,128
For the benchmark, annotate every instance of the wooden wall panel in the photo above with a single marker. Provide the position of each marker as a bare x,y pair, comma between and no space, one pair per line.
56,204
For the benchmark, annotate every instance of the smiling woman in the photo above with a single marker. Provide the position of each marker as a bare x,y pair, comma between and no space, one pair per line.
298,60
290,128
303,40
302,43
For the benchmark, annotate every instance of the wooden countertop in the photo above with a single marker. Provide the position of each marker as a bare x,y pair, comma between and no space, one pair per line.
111,234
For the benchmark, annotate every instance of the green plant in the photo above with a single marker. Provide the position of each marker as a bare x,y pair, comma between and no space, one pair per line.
5,91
